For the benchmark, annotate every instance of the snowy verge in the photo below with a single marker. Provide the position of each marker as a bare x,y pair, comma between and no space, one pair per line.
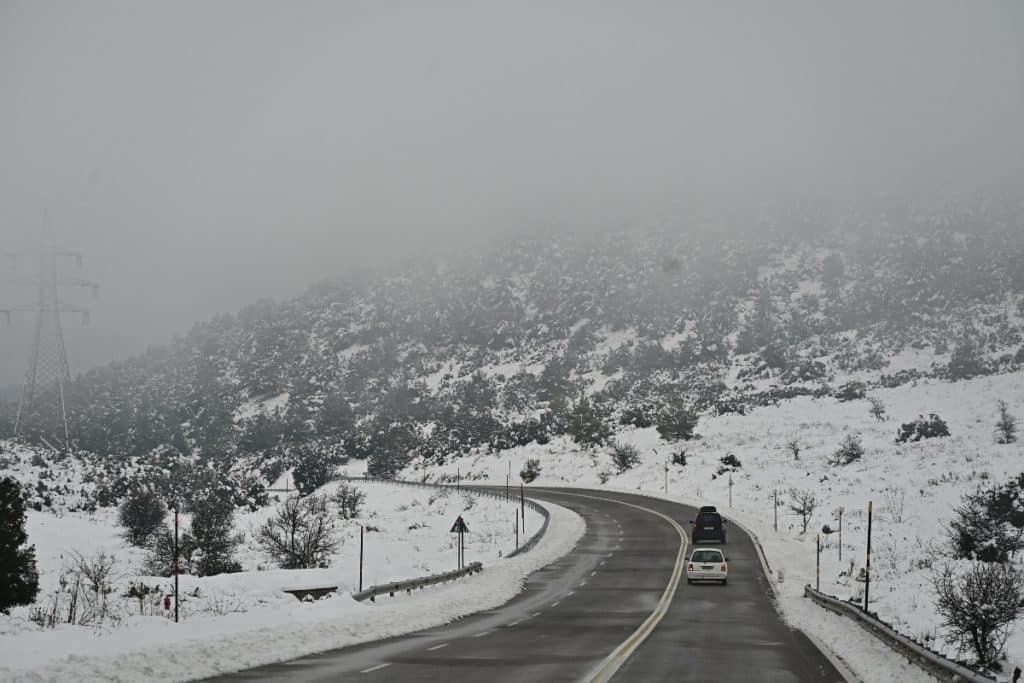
158,650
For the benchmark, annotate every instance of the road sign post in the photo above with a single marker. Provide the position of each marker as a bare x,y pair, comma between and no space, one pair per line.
460,528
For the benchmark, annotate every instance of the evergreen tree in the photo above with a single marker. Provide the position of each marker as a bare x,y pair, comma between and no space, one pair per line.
142,513
335,418
19,578
212,534
966,361
676,421
586,424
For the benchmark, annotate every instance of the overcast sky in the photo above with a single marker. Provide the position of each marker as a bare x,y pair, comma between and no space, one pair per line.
206,154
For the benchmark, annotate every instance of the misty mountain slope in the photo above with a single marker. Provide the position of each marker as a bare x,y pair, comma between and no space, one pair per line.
495,350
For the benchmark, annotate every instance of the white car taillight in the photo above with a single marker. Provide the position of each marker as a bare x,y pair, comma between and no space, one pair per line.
725,567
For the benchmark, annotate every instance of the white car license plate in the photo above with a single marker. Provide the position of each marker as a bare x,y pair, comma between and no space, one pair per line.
707,566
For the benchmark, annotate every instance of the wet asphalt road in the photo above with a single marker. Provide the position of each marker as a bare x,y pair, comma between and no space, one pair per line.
576,612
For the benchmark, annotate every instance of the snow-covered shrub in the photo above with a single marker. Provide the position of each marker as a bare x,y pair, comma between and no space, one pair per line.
531,471
625,456
849,451
851,391
141,514
989,524
1006,425
922,428
978,605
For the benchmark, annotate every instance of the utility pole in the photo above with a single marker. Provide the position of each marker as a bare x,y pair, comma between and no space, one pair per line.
42,408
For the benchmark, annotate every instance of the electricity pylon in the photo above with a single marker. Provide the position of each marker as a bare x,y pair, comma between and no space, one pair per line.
42,407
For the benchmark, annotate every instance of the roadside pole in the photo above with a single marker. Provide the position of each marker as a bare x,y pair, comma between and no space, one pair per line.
776,496
362,536
730,489
817,563
840,533
176,568
517,529
522,508
867,569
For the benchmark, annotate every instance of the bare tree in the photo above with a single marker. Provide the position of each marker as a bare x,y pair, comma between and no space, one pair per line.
349,500
302,534
877,408
803,503
1006,426
793,446
978,605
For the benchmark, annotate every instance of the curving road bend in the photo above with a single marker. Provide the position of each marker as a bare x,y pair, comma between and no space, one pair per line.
615,608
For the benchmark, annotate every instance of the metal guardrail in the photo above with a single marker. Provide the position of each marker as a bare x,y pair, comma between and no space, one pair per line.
410,585
930,661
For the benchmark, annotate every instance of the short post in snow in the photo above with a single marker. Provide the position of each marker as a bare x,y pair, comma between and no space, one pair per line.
775,495
730,489
516,528
522,508
666,477
176,566
867,568
362,537
458,478
840,533
817,563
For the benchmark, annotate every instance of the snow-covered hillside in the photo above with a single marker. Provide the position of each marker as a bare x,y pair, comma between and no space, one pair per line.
408,536
914,487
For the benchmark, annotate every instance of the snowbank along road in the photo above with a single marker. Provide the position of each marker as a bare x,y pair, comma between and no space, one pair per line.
615,608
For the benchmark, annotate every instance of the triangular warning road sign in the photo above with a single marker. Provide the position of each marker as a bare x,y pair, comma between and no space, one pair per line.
460,526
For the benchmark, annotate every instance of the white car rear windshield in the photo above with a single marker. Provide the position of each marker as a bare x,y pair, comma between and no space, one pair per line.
706,556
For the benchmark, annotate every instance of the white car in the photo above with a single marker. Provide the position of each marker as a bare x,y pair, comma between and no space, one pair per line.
707,564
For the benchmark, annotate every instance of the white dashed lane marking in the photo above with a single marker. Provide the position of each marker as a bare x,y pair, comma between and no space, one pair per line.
437,647
374,668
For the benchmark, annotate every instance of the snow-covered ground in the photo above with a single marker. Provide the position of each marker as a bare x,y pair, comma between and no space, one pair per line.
914,488
235,621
